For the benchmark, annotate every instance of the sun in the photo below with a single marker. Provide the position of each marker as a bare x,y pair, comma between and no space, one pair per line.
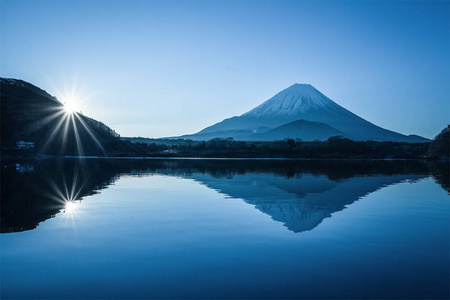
70,207
70,106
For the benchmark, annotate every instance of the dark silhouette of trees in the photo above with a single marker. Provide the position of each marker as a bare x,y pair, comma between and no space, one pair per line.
439,147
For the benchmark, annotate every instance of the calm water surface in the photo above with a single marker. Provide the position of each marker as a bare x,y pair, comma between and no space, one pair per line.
224,229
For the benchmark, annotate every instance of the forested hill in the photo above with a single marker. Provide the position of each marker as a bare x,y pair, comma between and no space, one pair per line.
31,115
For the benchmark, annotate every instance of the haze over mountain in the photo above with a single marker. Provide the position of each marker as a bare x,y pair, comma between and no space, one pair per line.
322,118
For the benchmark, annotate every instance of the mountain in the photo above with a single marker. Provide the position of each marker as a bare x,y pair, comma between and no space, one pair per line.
440,146
300,129
300,102
31,115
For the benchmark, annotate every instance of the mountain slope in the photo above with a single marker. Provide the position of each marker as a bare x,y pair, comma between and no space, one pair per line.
300,129
32,115
303,101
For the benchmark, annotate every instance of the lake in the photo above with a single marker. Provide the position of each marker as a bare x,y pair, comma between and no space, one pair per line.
191,228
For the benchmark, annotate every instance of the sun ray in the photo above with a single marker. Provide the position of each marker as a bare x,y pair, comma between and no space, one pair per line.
59,197
90,133
67,193
67,123
65,133
44,121
53,133
77,137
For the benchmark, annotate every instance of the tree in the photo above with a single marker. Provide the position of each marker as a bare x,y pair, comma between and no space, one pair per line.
440,146
291,143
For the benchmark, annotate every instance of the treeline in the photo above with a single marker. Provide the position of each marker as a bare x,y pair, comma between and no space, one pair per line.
334,147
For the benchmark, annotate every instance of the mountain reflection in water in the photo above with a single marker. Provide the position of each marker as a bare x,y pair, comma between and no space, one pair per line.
300,194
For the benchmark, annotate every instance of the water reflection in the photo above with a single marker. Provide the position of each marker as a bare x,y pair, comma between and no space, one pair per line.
70,207
299,194
303,201
28,198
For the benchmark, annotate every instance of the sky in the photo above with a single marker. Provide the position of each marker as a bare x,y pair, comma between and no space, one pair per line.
168,68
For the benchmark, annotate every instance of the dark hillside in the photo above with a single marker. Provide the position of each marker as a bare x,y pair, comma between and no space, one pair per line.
440,146
31,115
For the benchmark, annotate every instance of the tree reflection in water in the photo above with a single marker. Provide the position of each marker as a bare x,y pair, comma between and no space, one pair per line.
300,194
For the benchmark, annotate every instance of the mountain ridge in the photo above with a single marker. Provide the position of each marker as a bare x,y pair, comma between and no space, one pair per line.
301,101
300,129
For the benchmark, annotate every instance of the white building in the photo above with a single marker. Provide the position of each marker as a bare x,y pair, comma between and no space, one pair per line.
24,145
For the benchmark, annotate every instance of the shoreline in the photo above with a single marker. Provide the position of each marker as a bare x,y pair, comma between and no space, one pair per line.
49,157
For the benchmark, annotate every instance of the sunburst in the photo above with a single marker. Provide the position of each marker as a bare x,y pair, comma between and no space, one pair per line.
67,194
71,106
68,118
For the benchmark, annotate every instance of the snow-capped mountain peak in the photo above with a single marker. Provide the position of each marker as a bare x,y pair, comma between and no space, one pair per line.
296,99
300,111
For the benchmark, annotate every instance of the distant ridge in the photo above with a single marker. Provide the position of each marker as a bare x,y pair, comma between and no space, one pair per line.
300,129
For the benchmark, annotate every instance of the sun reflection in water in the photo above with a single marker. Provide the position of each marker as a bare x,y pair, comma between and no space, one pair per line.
70,207
67,190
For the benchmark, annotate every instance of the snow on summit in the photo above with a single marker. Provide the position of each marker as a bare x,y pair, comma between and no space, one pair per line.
296,99
300,111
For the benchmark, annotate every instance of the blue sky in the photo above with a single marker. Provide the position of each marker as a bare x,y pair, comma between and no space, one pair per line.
166,68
